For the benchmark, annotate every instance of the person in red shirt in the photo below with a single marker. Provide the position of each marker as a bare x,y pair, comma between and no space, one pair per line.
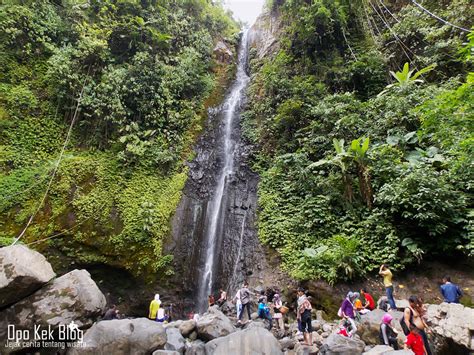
414,341
369,300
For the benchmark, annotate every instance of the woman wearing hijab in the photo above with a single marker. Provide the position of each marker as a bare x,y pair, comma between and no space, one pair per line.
154,307
388,335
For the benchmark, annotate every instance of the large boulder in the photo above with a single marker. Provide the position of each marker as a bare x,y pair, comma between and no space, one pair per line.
214,324
369,326
187,327
249,341
175,340
73,297
22,272
337,344
453,321
138,336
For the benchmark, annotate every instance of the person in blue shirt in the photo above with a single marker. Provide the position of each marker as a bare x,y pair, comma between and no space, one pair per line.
451,292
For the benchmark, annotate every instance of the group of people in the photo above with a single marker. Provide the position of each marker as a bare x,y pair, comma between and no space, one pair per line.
269,311
157,312
413,323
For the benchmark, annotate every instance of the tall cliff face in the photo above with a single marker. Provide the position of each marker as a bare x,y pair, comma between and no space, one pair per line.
263,35
237,253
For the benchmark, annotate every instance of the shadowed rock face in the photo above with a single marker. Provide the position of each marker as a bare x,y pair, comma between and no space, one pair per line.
237,254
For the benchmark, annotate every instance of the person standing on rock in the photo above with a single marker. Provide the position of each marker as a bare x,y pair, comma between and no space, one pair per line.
304,315
387,281
413,316
222,298
154,307
245,299
451,292
388,335
277,314
238,303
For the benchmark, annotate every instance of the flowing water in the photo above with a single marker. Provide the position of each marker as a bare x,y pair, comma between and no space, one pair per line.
215,212
215,243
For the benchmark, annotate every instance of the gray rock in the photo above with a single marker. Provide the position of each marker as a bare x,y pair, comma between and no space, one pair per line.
187,327
327,328
287,343
301,349
337,344
249,341
22,272
214,324
378,350
453,321
165,352
71,297
175,340
138,336
197,347
316,324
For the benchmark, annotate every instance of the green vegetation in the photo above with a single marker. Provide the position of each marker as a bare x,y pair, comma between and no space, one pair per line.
359,167
132,78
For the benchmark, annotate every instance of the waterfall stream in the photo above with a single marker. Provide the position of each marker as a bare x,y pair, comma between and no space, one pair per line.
215,213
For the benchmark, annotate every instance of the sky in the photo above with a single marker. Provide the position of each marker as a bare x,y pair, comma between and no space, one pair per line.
245,10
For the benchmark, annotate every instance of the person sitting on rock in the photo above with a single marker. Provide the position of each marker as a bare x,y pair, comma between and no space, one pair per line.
160,315
223,298
154,307
304,315
263,310
451,292
369,300
211,300
112,313
358,307
347,328
388,335
414,342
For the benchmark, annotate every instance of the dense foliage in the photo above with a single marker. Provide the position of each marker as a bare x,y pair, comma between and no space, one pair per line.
362,121
130,77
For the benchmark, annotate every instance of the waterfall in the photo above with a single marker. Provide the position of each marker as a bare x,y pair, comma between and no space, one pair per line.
215,213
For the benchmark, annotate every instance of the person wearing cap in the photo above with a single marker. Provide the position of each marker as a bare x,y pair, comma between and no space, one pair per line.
388,335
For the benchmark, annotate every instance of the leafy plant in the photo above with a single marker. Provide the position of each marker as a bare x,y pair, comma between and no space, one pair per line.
406,77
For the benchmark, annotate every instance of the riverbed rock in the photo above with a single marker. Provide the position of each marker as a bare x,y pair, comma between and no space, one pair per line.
287,343
337,344
453,321
214,324
369,326
175,340
301,349
138,336
249,341
387,350
187,327
165,352
71,297
22,272
197,347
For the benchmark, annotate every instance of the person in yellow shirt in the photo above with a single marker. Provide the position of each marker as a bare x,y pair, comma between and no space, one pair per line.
387,282
154,307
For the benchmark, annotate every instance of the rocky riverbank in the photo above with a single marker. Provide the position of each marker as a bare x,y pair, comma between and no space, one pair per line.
35,303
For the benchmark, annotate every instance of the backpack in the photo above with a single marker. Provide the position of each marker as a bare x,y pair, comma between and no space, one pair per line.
404,326
384,305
